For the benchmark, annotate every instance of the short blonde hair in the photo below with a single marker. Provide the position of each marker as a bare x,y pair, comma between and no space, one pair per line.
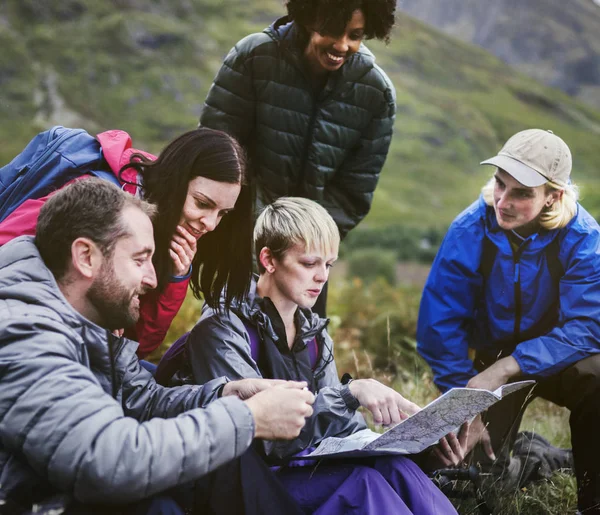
555,217
291,221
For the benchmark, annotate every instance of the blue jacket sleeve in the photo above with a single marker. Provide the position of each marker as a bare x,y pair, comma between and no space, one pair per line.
448,307
577,334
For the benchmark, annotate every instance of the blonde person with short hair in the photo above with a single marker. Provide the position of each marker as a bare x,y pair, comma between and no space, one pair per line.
296,243
517,279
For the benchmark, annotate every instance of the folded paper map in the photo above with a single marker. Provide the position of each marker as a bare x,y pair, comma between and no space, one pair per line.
413,435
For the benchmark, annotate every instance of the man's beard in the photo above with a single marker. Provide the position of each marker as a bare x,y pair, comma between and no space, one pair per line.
112,300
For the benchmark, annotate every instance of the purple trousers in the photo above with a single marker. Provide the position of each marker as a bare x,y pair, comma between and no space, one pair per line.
386,484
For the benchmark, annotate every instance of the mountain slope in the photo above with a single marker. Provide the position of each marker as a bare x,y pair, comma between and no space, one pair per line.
145,66
553,41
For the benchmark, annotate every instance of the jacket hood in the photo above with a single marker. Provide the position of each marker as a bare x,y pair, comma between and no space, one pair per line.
28,288
285,32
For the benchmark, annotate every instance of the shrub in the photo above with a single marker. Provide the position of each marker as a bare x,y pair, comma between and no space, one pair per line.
370,264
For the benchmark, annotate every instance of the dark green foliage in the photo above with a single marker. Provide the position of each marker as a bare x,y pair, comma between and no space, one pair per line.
406,242
372,263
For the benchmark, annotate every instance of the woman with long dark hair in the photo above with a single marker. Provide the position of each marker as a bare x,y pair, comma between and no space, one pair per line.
203,230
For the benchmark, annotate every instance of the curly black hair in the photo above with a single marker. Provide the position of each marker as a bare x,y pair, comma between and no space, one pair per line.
332,16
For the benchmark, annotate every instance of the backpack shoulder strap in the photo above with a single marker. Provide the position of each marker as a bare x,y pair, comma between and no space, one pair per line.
488,256
171,361
554,265
489,251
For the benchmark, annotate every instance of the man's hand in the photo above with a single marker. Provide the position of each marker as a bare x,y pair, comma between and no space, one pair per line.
246,388
280,412
478,433
496,375
387,405
451,450
182,251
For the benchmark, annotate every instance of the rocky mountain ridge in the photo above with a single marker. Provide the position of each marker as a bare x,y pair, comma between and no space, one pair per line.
556,42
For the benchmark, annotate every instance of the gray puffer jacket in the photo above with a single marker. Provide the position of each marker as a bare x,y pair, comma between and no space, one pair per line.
220,345
328,146
73,422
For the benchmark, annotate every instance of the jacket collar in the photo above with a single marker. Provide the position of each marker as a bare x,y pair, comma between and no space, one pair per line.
500,237
251,309
26,279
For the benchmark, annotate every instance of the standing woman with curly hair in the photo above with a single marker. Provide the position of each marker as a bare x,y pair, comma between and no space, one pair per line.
314,111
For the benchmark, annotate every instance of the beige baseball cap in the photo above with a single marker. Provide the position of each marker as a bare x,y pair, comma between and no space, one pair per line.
534,157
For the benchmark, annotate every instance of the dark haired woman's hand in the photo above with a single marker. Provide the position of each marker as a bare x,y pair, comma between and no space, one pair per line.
182,251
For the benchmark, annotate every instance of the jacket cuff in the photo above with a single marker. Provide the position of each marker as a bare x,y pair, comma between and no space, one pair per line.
181,278
351,401
243,422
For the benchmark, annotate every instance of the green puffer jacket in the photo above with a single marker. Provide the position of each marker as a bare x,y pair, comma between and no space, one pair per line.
328,146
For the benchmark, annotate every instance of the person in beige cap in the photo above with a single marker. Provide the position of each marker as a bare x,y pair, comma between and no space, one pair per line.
517,280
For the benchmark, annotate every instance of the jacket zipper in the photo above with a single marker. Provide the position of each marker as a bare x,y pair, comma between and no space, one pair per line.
112,356
307,144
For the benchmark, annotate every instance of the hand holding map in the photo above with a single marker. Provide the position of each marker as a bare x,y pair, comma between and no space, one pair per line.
415,434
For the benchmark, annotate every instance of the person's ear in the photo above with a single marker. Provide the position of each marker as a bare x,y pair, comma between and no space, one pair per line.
86,257
554,197
267,260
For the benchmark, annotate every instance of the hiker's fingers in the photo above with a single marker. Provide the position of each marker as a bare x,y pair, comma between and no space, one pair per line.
188,249
386,405
463,435
486,443
298,385
177,265
447,452
190,239
183,253
246,388
459,451
377,415
476,432
390,415
407,407
439,459
396,414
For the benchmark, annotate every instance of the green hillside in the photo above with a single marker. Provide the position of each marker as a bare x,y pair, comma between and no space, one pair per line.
146,65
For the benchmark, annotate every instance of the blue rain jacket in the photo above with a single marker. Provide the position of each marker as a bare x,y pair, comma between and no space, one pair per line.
460,310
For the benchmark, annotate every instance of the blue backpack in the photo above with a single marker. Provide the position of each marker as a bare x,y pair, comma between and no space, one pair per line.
49,161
